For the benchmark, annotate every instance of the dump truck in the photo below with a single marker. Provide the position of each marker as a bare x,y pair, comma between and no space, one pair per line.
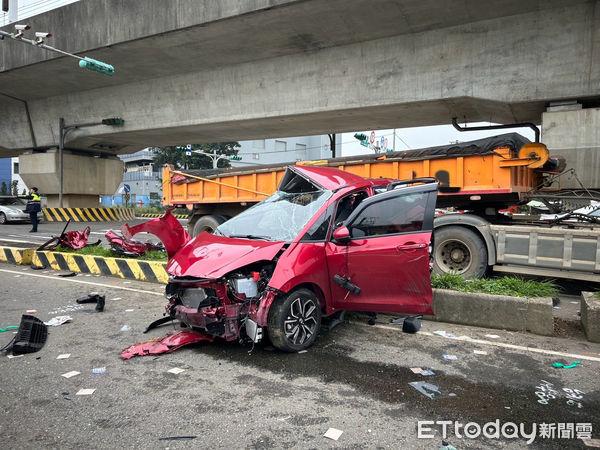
477,180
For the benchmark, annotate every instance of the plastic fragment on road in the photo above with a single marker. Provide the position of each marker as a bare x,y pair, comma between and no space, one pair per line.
177,438
302,351
63,356
10,327
556,308
58,320
333,433
166,344
98,370
70,374
446,446
31,311
85,391
449,357
558,365
176,370
427,389
129,310
31,336
14,356
480,352
444,334
417,370
427,373
125,328
492,336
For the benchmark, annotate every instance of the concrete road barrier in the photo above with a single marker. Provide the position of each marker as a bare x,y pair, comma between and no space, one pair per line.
128,268
494,311
590,316
88,214
15,255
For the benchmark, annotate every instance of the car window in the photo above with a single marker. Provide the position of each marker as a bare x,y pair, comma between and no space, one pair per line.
318,230
7,201
348,204
398,214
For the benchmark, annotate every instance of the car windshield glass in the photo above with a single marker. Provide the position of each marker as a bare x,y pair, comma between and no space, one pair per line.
12,201
278,218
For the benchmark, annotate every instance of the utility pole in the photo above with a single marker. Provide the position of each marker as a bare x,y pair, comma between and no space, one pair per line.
214,157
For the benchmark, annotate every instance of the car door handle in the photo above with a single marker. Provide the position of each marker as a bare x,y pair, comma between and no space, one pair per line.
411,246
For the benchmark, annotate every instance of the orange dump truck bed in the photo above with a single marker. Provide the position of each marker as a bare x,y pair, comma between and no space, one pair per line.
492,169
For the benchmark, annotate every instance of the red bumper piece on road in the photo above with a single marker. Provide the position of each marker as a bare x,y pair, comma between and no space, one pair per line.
167,344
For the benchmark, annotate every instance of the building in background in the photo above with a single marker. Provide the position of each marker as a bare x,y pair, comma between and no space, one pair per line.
285,150
5,175
140,186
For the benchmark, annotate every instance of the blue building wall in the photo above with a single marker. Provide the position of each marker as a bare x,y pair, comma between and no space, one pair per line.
5,172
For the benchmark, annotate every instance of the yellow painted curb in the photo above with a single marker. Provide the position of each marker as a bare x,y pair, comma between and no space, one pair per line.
131,269
16,255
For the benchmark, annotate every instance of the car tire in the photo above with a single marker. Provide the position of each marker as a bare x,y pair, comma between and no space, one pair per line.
294,321
2,218
208,224
461,251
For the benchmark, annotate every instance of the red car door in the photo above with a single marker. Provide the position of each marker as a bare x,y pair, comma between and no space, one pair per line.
387,255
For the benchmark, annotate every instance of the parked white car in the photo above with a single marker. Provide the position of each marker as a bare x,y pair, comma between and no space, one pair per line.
12,209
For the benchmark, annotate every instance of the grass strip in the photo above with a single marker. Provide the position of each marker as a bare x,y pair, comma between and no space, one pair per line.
512,286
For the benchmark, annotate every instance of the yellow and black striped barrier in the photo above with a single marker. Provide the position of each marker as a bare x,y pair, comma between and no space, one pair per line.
15,255
153,271
88,214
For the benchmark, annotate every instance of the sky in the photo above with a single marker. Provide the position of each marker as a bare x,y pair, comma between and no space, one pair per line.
422,137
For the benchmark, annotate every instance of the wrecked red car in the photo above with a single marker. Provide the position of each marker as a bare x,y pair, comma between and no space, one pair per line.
325,242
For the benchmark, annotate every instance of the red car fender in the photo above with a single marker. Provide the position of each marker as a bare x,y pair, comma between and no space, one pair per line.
166,228
303,263
262,312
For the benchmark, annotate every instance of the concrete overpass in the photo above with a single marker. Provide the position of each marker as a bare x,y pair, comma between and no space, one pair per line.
232,70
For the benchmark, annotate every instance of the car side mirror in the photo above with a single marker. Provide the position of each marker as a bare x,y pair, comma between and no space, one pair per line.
341,235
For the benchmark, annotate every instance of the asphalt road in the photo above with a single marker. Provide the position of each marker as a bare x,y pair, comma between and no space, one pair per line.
355,379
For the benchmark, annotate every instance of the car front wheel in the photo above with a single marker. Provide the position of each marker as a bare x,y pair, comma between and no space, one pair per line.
294,321
2,218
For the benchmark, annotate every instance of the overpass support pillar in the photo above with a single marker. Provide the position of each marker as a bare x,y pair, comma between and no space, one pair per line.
572,131
85,177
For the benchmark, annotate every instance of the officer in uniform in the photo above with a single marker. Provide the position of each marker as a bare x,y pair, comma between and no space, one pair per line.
34,206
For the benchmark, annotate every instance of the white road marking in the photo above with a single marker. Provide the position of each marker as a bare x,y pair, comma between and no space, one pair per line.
70,280
496,344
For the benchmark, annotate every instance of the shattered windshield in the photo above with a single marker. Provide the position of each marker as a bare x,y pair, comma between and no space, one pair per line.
278,218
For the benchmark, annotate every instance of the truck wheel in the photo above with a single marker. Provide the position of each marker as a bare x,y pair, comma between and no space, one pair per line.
461,251
208,224
294,321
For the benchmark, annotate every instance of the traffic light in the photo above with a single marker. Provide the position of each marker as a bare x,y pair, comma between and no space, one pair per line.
96,66
235,158
360,137
113,121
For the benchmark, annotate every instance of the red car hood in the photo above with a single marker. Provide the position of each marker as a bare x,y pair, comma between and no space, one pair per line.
210,256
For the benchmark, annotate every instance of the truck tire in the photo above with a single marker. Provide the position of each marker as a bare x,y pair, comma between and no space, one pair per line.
461,251
208,224
294,321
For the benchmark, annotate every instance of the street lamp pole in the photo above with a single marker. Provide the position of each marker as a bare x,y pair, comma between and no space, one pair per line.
215,158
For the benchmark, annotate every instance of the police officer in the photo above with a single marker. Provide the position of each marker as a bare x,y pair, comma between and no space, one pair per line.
34,206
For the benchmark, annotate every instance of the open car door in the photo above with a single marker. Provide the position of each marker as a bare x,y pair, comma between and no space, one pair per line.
383,249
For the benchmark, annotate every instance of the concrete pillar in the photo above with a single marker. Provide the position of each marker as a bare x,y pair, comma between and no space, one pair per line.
85,178
574,132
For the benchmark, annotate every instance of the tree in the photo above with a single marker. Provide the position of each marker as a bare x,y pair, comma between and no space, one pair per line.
4,188
176,155
15,187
